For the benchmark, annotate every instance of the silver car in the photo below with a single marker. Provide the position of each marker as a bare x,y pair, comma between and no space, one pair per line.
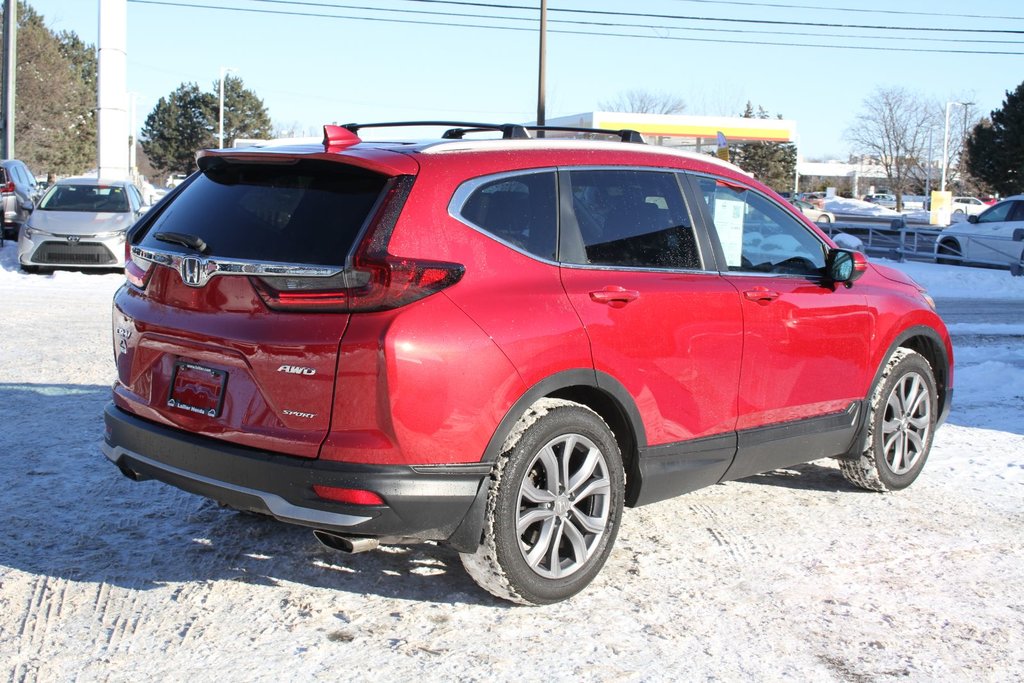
80,223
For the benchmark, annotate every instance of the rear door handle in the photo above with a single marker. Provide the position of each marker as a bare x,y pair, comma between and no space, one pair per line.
761,294
614,295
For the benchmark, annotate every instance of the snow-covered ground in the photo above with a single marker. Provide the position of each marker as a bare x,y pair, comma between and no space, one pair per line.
843,207
790,575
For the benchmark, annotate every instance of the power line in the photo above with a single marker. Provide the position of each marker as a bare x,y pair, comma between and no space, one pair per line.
604,24
467,3
171,3
850,9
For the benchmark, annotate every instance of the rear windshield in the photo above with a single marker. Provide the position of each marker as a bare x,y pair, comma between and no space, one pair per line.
307,212
87,198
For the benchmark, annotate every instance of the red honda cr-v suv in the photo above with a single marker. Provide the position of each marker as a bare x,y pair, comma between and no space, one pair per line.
498,344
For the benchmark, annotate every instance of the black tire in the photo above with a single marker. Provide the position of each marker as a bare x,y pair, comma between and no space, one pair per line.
534,517
948,253
901,425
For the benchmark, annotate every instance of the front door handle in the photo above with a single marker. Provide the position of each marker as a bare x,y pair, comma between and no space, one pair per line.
615,296
761,294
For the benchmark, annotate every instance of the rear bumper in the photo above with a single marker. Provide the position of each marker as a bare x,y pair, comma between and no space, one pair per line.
443,503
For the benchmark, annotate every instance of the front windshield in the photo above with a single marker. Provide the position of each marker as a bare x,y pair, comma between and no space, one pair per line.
86,198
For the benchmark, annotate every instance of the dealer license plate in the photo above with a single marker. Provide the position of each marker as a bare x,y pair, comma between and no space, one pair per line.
197,389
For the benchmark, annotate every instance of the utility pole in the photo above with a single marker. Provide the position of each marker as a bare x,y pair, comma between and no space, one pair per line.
543,59
9,72
112,134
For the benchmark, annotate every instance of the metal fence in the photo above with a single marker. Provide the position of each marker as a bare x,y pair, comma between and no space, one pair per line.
901,242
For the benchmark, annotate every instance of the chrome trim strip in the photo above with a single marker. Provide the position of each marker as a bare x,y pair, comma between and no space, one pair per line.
278,506
196,271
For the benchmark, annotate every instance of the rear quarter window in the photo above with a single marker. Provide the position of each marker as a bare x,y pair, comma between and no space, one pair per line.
519,210
306,213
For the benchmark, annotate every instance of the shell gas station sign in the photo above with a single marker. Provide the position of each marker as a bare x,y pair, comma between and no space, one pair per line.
689,131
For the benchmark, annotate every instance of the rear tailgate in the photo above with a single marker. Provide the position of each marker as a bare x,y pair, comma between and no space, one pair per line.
199,343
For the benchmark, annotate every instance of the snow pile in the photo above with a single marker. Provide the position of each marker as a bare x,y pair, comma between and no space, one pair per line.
792,575
842,206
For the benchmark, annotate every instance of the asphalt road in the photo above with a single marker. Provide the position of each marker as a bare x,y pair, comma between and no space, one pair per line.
998,311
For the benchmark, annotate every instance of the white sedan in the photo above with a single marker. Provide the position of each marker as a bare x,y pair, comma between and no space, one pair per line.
80,223
994,237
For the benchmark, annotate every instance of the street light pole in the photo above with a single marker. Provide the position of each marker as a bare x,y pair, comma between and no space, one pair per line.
224,70
945,140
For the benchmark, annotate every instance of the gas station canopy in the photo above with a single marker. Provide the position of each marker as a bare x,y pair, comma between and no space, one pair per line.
686,131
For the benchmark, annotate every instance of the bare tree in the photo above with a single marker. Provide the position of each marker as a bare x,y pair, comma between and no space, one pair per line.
638,101
893,126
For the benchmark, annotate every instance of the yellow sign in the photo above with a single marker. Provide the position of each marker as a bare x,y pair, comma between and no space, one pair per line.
941,208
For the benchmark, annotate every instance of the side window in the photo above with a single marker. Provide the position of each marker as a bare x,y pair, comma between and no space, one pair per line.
133,198
633,219
759,236
1017,213
520,210
998,213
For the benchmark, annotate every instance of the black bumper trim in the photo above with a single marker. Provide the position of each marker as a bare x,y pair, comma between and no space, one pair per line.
422,502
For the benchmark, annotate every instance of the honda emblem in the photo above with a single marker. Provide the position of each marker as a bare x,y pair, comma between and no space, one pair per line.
193,271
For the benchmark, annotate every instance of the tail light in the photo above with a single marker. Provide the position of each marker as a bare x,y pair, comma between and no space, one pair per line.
136,271
376,280
7,187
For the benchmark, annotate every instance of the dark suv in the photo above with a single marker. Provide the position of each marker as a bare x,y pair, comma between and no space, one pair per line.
498,344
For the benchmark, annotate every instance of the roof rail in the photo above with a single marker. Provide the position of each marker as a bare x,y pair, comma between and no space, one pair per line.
457,130
624,134
509,131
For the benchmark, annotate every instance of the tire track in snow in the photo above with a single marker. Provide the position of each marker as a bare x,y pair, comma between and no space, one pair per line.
736,546
42,616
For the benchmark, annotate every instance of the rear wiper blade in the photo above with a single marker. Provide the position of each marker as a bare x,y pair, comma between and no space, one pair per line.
190,241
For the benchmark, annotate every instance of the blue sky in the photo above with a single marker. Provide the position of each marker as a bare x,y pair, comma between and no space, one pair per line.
315,70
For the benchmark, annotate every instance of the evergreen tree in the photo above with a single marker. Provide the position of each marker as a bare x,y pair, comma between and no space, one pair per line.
995,148
178,127
55,89
244,113
186,121
773,163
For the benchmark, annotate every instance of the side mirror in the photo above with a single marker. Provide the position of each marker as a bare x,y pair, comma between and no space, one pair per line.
972,219
845,265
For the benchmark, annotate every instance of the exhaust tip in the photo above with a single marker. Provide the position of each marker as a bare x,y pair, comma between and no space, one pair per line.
346,544
130,473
